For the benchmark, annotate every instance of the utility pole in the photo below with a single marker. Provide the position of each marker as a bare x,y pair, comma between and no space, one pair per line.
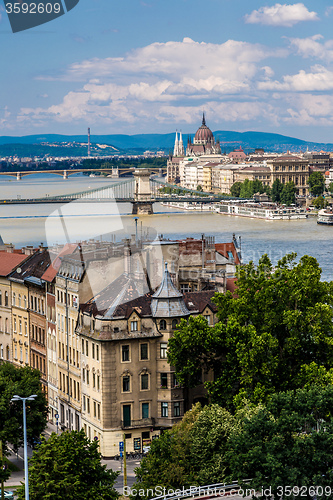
125,463
26,471
2,484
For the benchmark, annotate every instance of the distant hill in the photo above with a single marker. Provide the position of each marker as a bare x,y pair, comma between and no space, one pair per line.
141,142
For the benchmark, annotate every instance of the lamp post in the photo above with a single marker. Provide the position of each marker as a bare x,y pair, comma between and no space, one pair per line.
29,398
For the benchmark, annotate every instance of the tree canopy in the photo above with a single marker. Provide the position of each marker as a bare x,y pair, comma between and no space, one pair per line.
191,453
288,193
286,443
236,189
276,334
319,202
23,382
316,183
277,188
249,188
68,466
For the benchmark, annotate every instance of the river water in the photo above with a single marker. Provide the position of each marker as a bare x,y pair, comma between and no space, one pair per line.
52,223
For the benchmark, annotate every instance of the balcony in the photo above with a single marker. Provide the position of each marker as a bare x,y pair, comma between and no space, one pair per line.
134,424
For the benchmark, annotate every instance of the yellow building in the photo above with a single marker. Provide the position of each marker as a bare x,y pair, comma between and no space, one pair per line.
9,261
20,321
128,387
68,347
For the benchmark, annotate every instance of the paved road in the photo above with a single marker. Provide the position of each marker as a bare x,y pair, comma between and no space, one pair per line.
17,477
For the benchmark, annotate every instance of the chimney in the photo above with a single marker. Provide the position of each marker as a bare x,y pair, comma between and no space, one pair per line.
88,141
28,250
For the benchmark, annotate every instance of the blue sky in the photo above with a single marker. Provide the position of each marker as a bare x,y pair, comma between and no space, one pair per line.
153,66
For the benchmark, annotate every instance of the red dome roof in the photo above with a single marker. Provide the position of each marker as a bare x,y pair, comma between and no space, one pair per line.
204,134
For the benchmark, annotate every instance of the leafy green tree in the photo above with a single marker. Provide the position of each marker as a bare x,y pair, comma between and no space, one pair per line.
191,453
199,188
246,189
319,202
288,193
277,188
288,442
23,382
68,466
236,189
279,323
208,444
168,462
257,187
330,188
316,183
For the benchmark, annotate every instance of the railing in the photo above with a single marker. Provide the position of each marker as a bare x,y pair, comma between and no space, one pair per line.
143,422
203,492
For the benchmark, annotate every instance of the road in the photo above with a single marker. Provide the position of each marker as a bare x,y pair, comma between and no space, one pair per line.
17,477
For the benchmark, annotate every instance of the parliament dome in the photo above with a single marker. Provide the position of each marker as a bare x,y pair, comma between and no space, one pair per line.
203,134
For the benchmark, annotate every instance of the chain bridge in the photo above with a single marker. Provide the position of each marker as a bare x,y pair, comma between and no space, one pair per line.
141,190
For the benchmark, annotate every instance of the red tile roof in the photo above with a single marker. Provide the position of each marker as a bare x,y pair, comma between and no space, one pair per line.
52,270
9,261
224,248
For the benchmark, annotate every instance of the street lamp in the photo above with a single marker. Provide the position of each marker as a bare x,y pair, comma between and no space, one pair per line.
30,398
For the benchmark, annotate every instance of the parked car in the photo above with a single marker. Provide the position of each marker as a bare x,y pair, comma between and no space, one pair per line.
9,495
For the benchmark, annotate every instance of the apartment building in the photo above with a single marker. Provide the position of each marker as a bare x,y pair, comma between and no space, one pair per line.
29,313
67,283
291,168
9,261
127,384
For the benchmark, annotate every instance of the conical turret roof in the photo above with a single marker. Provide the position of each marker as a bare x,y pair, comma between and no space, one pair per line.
167,301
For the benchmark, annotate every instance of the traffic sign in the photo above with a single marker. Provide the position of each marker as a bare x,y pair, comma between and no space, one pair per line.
121,445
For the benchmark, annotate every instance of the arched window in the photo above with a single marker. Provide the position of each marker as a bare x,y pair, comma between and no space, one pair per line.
174,323
19,300
6,298
1,351
6,325
14,299
163,324
7,353
25,301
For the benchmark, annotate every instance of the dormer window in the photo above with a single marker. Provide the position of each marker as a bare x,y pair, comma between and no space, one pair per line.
134,326
207,318
163,324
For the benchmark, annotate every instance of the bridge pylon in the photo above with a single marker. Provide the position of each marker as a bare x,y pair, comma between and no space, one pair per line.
142,203
18,176
65,176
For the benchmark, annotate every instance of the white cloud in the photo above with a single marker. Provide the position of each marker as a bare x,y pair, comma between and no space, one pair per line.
328,11
308,109
319,79
231,60
146,82
281,15
312,47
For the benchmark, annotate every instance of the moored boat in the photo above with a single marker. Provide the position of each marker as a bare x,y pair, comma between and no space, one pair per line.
325,216
269,211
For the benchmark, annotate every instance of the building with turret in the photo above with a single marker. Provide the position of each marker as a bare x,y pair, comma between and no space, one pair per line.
201,150
204,142
128,385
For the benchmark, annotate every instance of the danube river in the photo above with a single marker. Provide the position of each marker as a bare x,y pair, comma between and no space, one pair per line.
53,223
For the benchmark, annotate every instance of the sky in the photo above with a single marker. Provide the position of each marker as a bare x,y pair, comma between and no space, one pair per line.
153,66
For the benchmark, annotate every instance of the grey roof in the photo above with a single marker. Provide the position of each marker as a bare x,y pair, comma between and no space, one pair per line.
167,301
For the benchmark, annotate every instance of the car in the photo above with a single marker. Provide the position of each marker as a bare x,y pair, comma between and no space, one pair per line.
9,495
